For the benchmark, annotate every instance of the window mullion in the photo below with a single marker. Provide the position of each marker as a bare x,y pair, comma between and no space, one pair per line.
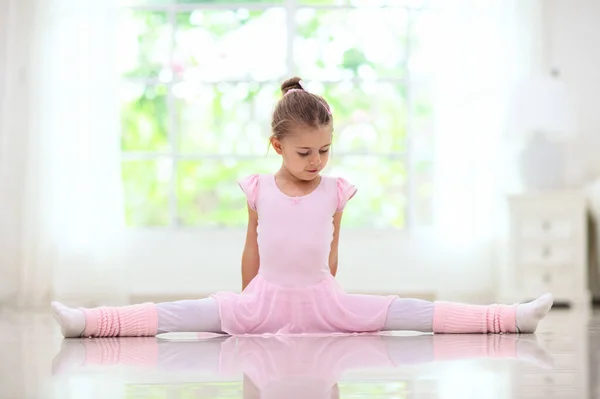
140,155
259,6
409,210
290,8
202,6
291,69
172,128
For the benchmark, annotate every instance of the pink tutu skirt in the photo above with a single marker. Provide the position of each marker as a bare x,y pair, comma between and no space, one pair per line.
266,308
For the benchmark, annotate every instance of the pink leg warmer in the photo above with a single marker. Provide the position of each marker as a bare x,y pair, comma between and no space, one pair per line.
452,318
127,321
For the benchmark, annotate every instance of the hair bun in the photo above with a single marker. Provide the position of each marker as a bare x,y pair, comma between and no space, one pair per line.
290,84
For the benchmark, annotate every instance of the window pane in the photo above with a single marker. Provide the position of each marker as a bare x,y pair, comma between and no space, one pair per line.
225,118
126,3
229,1
367,3
380,200
167,2
146,185
422,122
144,117
368,117
373,3
231,45
208,192
324,2
144,43
364,43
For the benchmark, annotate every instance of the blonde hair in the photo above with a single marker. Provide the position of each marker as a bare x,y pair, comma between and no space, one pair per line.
298,108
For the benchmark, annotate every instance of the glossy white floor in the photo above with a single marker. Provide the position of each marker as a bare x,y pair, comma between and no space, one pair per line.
560,361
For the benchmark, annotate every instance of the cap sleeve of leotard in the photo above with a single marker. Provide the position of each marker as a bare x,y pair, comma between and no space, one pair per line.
345,191
249,186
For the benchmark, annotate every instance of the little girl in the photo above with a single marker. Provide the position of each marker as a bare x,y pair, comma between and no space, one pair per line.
290,260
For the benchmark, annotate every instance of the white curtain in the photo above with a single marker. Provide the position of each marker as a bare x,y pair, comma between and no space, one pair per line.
61,214
484,49
480,51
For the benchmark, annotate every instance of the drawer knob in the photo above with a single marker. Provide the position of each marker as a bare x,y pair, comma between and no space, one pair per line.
546,225
546,252
547,278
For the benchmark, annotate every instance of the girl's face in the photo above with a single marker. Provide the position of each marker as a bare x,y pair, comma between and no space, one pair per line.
305,152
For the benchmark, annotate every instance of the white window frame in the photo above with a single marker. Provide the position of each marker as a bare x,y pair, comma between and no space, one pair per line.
291,7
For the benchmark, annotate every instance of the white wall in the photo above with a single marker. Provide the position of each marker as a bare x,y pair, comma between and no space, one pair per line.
189,263
573,46
13,101
6,275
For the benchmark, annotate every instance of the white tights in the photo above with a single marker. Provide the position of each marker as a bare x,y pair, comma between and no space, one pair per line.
194,315
202,315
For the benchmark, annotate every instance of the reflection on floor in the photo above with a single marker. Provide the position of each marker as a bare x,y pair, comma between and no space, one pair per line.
560,361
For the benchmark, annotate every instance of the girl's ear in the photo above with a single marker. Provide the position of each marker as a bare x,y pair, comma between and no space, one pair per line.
276,145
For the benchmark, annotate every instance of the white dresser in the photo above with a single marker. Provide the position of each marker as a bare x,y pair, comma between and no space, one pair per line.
548,248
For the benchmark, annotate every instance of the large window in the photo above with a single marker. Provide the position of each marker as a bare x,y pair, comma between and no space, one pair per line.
200,79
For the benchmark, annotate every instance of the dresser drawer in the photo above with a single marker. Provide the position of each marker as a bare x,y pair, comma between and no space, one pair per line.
540,227
546,254
540,280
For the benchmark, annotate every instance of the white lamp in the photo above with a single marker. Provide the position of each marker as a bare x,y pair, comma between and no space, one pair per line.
543,115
